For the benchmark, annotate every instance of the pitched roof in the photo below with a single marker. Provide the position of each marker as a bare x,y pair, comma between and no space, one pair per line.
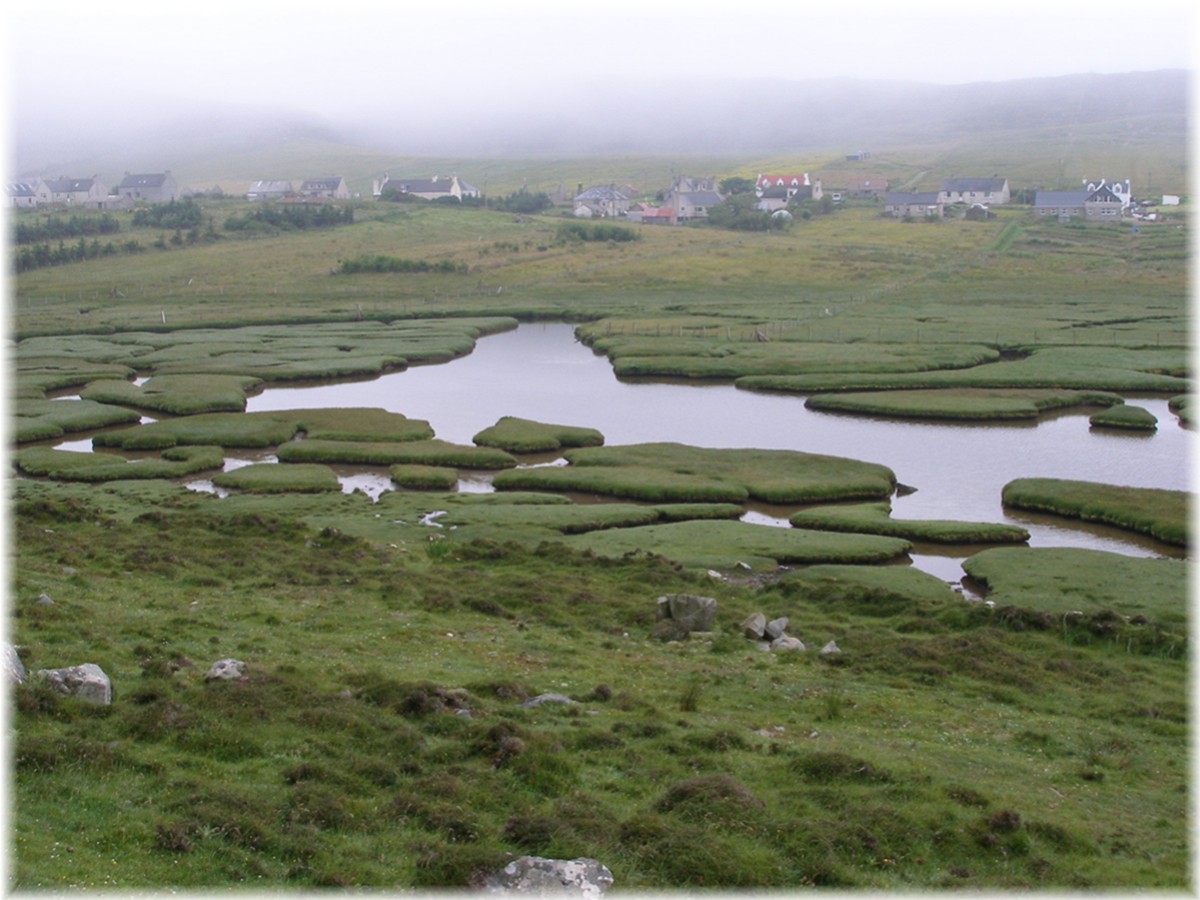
974,185
330,183
701,198
135,181
1059,198
929,198
601,192
66,185
433,185
20,189
270,187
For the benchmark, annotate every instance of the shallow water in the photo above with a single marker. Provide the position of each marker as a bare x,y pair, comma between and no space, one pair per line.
541,372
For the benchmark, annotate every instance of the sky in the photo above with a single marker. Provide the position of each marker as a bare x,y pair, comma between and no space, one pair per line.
92,63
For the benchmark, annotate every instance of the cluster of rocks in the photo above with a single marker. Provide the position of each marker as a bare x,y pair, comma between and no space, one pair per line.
88,682
773,635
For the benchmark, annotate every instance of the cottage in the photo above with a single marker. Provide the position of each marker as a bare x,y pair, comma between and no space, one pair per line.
21,195
988,191
158,187
1119,189
269,190
1099,204
793,187
925,205
601,201
435,188
75,191
331,188
651,215
691,198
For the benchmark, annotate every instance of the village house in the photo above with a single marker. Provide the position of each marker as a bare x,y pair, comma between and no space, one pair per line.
21,195
1100,203
158,187
922,205
73,191
434,188
330,188
690,199
269,190
865,185
794,187
987,191
651,215
1120,189
602,201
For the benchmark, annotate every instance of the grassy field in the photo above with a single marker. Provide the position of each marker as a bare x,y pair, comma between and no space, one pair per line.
377,739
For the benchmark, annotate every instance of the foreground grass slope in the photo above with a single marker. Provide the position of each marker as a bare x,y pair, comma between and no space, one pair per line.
377,738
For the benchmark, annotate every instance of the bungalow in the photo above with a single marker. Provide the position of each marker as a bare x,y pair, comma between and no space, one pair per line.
75,191
331,188
691,198
602,201
988,191
1099,204
926,205
434,188
269,190
651,215
159,187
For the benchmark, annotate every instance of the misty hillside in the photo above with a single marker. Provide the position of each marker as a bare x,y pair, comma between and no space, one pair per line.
1045,132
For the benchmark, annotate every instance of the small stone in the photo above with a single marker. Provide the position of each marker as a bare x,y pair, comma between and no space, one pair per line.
541,699
787,642
776,627
43,600
831,647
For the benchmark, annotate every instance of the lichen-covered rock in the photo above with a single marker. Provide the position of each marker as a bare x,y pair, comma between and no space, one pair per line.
537,875
86,682
787,642
541,699
225,670
14,669
776,627
754,626
831,647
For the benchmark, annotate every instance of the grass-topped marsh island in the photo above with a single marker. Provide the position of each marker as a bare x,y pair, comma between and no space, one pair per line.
380,734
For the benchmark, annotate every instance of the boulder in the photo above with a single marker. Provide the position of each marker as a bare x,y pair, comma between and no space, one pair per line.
541,699
754,626
536,875
776,627
679,615
86,682
225,670
14,669
787,642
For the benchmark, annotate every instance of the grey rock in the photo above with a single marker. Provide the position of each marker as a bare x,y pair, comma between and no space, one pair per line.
691,611
776,627
225,670
754,626
787,642
43,600
542,699
831,647
537,875
86,682
14,669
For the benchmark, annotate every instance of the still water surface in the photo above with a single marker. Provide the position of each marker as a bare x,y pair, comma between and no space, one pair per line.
542,372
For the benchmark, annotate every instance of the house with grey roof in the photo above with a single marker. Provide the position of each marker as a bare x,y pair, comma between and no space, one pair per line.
21,195
987,191
332,187
1101,203
602,201
157,187
922,205
435,188
75,191
690,199
269,190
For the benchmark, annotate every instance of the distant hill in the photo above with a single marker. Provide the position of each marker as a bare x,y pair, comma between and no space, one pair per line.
1045,132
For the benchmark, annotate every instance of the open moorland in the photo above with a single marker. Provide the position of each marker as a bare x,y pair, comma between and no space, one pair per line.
422,701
